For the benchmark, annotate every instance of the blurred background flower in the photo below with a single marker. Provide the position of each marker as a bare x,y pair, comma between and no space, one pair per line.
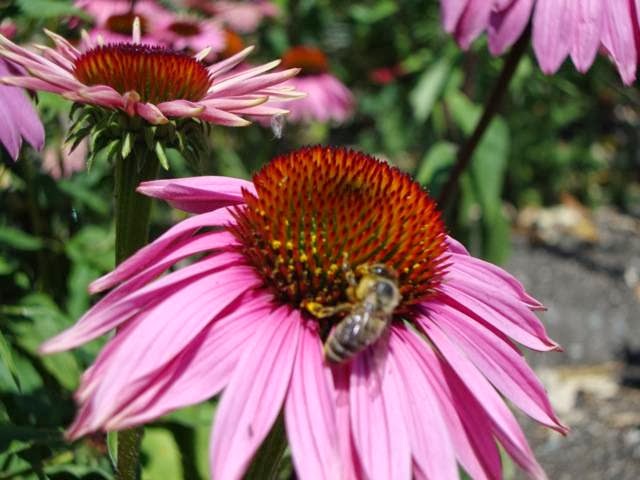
20,119
327,98
578,29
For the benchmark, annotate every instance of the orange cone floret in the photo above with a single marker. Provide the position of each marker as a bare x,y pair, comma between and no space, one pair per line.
156,73
321,207
311,60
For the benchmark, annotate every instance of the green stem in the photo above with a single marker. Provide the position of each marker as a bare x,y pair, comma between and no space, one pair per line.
465,154
266,463
132,212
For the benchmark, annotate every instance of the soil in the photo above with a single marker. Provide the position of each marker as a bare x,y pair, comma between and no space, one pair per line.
592,292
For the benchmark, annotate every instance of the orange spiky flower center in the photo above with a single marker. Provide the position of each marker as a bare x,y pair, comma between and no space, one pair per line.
123,23
185,28
320,209
311,60
155,73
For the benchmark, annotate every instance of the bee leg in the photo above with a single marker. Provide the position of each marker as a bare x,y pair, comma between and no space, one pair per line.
322,311
348,271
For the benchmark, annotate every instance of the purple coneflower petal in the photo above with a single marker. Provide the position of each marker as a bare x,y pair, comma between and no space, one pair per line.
503,312
617,35
469,432
149,254
202,370
587,32
506,25
170,326
551,37
108,313
221,117
475,269
467,381
428,434
200,194
251,402
498,360
451,13
181,108
378,428
473,21
151,113
309,411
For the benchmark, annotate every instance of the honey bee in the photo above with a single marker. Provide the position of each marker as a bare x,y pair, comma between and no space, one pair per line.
373,300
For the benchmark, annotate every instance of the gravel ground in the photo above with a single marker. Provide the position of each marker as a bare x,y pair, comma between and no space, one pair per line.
604,442
592,292
593,297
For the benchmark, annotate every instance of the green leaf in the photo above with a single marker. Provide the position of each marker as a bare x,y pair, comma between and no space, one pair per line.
162,455
429,88
8,370
85,195
435,166
46,320
19,240
372,14
112,448
39,9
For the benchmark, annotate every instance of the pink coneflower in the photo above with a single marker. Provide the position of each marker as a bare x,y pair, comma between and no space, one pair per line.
19,119
185,32
60,162
240,16
113,19
328,99
152,82
424,395
561,28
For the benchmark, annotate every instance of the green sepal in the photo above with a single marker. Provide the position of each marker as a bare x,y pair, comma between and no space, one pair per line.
126,145
162,157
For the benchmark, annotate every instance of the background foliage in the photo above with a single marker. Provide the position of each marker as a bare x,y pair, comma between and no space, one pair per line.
562,134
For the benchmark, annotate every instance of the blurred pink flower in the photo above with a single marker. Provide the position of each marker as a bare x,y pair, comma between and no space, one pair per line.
19,118
185,32
59,162
327,98
240,16
561,28
152,82
114,19
411,405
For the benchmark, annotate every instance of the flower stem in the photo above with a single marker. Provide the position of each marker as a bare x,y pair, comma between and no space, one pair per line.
132,212
132,209
266,463
465,154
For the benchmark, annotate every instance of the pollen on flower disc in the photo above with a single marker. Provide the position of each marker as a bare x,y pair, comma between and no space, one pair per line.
311,60
320,207
155,73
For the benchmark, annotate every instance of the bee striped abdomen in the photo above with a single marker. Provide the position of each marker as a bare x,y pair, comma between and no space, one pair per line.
348,338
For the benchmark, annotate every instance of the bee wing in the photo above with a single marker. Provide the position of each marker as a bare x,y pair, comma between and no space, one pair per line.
378,351
277,124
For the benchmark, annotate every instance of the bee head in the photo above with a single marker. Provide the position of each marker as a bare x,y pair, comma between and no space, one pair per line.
382,270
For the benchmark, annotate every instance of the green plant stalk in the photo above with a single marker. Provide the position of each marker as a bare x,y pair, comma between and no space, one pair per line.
465,154
267,461
132,212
